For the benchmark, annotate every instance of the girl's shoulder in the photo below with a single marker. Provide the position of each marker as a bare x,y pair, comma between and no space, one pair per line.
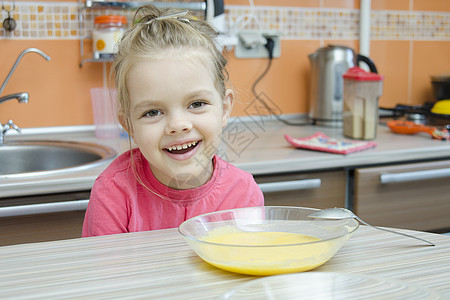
237,184
122,163
231,171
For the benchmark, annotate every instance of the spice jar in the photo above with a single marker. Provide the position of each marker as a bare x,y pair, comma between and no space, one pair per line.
107,32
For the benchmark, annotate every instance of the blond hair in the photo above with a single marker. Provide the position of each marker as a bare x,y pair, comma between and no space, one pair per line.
153,32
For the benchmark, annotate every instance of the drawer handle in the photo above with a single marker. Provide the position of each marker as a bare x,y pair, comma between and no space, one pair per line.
35,209
413,176
293,185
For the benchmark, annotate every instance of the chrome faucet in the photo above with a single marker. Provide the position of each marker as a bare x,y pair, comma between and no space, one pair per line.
8,126
21,97
17,62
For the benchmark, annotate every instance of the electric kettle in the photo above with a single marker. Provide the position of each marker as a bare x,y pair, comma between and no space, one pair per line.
328,64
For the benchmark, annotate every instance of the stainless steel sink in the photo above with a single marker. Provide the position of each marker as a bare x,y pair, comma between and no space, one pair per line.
51,157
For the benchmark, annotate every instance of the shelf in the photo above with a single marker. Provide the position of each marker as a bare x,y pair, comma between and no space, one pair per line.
97,60
191,5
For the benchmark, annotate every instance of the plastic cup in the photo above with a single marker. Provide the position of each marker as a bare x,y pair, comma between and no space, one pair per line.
105,112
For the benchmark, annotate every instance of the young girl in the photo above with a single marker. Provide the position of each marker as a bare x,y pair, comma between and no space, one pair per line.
170,81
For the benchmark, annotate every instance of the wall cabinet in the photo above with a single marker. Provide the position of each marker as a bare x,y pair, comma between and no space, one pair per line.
412,196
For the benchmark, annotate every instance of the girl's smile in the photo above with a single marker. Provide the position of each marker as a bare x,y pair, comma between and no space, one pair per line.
182,151
177,115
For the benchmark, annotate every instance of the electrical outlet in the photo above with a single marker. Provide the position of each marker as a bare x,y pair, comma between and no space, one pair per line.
251,44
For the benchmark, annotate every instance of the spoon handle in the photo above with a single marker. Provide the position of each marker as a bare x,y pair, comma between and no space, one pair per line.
392,231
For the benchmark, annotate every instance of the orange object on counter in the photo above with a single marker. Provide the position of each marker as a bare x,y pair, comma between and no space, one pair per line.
409,127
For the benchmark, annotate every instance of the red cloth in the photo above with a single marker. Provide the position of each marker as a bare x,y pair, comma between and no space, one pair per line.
321,142
119,203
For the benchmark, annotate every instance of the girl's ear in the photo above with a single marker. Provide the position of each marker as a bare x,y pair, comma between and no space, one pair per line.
125,122
227,106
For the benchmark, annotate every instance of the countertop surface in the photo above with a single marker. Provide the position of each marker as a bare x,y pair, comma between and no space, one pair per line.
160,265
257,146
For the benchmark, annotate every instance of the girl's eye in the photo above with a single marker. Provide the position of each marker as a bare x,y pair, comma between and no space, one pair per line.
152,113
197,104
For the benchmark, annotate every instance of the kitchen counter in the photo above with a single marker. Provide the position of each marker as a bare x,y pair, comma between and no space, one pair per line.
159,264
255,145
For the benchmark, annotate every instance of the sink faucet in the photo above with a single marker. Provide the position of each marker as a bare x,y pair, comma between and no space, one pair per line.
21,97
17,62
8,126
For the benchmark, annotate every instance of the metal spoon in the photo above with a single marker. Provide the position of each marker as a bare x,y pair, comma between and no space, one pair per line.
342,213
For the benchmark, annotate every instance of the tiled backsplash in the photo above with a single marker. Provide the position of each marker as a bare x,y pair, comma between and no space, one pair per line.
328,23
59,20
43,20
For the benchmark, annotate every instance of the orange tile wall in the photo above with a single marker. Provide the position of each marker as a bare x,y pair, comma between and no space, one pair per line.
59,89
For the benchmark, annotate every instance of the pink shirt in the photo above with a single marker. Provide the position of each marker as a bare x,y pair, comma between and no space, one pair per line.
119,203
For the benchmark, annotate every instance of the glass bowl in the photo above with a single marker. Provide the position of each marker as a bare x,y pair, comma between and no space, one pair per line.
266,240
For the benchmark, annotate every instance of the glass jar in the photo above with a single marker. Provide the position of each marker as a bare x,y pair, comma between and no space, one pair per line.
107,32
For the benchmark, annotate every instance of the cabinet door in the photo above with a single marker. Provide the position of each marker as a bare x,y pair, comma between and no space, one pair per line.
316,190
413,196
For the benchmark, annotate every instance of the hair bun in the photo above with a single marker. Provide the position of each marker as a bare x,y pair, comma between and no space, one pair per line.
149,13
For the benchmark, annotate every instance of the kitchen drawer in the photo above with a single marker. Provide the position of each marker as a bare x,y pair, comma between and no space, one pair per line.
317,190
42,218
412,196
41,227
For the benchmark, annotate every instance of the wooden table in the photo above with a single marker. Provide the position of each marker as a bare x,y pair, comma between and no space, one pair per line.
160,265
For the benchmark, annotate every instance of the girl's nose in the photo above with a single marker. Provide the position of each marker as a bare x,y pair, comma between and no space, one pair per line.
177,124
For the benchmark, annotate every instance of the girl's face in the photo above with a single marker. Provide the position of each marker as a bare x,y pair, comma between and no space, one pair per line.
177,116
